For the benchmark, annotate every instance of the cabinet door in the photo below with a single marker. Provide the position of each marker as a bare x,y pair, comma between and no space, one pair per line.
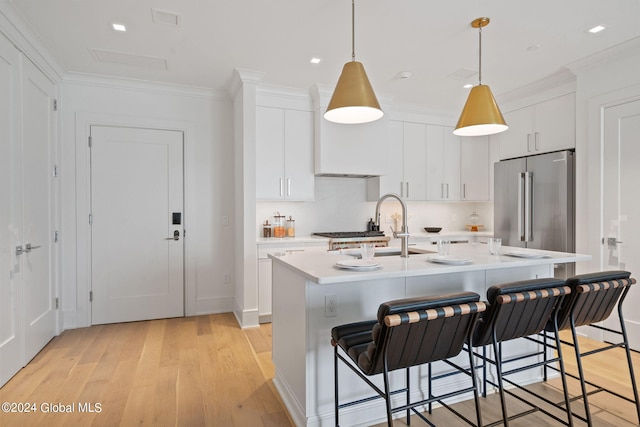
517,141
494,157
435,167
298,177
555,125
415,155
451,164
474,168
264,288
269,153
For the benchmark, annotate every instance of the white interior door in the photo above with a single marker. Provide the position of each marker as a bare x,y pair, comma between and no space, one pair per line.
621,206
37,209
137,242
11,331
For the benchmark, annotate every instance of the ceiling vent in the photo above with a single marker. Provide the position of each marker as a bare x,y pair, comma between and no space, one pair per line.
152,62
166,18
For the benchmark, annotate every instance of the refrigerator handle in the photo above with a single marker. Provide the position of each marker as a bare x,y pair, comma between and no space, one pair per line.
529,206
521,207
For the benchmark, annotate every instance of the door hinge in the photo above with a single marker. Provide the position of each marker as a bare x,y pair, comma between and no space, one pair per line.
55,105
90,296
56,236
89,141
57,302
55,171
90,219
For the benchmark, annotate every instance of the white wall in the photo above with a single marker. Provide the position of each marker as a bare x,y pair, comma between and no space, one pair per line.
206,118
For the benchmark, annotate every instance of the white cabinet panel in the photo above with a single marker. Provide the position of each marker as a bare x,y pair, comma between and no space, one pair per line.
443,164
494,156
474,168
414,159
540,128
284,154
264,289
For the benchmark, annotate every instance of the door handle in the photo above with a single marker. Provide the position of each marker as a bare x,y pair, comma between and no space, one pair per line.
19,250
613,242
28,247
176,236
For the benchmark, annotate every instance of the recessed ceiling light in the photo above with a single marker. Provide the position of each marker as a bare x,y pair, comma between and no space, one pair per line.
119,27
468,86
596,29
315,60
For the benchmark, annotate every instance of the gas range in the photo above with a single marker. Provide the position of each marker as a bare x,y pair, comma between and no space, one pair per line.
353,239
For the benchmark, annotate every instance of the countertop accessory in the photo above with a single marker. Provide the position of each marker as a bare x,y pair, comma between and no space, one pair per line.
449,260
480,115
358,264
433,229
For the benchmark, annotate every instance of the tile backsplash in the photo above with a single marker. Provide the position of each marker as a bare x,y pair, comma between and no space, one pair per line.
340,205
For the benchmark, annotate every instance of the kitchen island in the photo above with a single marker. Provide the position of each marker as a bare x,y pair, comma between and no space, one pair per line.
310,296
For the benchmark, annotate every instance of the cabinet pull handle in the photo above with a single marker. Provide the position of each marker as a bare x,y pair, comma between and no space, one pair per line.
529,142
441,190
536,139
464,191
281,188
407,184
447,190
288,186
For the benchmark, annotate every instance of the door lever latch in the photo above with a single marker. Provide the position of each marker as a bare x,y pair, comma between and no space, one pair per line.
176,236
19,250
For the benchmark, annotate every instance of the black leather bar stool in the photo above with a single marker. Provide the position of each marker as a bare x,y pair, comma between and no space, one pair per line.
593,299
407,332
517,310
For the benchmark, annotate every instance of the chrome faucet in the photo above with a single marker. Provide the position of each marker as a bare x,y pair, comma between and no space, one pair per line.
404,233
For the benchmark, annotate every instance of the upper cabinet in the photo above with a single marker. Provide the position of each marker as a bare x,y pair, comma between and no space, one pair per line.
540,128
474,168
443,164
284,154
405,155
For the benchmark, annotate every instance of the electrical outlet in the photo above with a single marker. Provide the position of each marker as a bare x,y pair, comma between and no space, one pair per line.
454,218
330,305
227,277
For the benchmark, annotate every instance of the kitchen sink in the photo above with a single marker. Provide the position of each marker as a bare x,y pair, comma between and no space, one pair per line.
396,252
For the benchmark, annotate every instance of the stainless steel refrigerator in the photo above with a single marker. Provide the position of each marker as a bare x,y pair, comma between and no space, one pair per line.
534,204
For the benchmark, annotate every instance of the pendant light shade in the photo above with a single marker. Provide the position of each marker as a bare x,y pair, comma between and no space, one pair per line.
480,115
353,100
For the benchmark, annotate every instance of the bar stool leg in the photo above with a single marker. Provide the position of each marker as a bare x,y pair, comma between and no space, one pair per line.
632,376
335,384
498,357
583,385
387,392
567,400
474,381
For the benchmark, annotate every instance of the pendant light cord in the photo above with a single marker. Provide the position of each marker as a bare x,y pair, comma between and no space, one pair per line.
480,55
353,30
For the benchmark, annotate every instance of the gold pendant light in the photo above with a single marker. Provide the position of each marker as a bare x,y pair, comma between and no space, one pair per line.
353,99
480,115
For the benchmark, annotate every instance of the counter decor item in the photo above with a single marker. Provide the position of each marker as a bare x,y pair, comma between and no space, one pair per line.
433,229
291,227
473,224
278,225
266,229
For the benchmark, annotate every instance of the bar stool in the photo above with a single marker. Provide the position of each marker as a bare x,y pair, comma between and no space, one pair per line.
517,310
407,332
593,298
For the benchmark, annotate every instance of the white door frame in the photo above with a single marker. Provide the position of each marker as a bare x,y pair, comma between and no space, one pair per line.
83,123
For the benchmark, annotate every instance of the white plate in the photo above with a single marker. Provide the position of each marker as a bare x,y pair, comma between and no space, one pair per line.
450,260
526,255
358,264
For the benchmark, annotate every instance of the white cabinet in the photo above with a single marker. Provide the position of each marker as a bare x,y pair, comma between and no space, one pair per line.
474,168
540,128
494,157
443,164
284,154
406,157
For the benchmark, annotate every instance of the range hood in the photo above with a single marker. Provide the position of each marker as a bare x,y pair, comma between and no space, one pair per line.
347,150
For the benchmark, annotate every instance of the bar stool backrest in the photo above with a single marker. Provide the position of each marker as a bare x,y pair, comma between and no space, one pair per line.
415,331
593,297
518,309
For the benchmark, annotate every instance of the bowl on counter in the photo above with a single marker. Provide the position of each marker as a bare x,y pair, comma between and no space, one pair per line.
432,229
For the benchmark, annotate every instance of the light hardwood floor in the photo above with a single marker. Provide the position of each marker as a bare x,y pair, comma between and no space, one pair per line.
206,371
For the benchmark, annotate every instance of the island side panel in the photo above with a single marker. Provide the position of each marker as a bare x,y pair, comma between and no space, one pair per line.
288,340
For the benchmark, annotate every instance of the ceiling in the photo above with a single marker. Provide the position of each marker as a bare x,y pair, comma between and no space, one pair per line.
526,41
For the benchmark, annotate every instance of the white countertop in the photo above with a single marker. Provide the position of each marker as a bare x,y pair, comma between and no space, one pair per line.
422,235
318,265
